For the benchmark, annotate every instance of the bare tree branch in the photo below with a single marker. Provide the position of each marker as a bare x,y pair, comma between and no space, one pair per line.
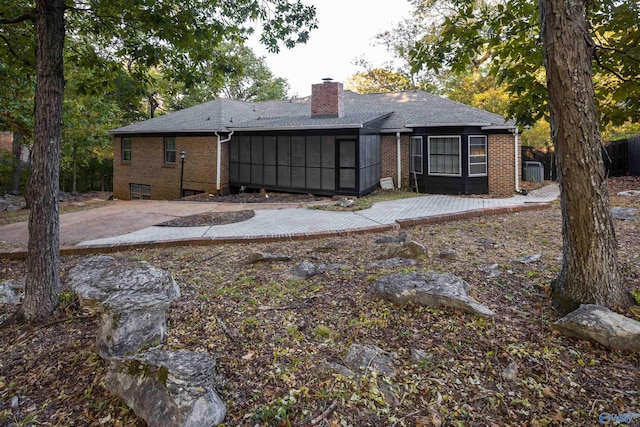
27,16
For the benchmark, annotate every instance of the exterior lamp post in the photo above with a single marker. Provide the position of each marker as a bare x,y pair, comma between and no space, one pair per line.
183,154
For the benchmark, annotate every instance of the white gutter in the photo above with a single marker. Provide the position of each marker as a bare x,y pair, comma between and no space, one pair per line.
399,156
219,157
517,166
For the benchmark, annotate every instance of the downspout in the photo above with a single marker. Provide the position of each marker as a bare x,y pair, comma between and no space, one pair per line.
219,157
399,157
516,156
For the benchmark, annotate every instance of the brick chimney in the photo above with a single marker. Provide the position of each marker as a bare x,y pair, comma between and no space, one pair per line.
327,99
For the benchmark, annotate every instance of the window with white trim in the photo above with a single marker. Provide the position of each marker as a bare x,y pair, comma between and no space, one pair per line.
170,149
478,155
444,155
126,149
415,154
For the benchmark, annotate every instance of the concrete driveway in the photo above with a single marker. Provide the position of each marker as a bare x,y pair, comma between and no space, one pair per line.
120,217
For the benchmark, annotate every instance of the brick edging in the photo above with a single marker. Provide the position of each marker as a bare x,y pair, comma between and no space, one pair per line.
19,254
406,223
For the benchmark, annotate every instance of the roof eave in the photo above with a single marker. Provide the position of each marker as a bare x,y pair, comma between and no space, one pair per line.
314,127
165,131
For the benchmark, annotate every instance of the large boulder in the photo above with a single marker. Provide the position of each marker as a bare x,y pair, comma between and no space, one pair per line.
132,297
597,323
430,289
168,388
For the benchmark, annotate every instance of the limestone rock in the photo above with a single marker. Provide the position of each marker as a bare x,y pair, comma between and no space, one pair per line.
11,291
627,214
430,289
529,259
266,257
168,388
409,250
345,203
133,299
362,358
305,269
629,193
394,262
597,323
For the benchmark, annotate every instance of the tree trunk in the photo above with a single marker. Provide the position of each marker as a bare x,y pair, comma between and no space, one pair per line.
590,271
75,165
42,288
17,163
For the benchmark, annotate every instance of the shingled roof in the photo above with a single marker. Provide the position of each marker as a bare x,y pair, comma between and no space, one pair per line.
392,112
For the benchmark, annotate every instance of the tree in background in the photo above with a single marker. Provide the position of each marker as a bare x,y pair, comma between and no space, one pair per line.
177,35
507,38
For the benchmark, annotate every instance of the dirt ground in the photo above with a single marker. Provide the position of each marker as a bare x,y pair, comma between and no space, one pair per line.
272,336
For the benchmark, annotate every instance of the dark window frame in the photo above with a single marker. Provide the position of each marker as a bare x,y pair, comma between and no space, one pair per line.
414,155
458,155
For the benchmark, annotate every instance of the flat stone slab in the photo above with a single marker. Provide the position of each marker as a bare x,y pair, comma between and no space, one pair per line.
429,289
599,324
168,388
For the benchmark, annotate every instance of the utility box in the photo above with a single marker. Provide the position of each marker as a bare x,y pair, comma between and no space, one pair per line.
533,172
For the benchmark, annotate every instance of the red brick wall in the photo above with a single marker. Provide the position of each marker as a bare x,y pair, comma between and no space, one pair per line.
390,158
327,99
147,166
500,152
6,141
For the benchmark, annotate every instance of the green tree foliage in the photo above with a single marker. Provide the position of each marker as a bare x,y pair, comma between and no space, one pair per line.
506,36
101,36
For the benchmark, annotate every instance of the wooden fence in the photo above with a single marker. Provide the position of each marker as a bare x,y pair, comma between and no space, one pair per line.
621,158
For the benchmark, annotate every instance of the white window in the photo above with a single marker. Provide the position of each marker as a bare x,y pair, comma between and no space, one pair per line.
415,154
444,155
126,149
169,149
478,155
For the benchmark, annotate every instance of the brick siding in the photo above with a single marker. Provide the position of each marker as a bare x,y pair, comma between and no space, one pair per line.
6,141
390,158
500,152
147,166
327,99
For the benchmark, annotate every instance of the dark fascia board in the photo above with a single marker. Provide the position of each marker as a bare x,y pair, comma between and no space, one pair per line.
169,133
277,128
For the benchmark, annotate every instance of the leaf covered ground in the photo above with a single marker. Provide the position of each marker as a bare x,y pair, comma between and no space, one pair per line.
273,335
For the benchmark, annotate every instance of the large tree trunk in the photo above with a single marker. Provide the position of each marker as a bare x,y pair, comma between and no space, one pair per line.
42,289
17,163
590,271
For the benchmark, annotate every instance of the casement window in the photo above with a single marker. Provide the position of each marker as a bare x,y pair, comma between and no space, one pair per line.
415,154
478,155
444,155
170,149
140,192
126,149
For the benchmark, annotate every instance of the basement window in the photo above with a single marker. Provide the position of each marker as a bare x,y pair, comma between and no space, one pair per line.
140,192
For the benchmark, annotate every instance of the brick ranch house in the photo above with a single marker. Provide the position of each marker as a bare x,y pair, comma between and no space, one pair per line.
334,142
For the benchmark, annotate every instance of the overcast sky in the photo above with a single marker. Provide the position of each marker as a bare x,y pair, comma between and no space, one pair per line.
346,31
